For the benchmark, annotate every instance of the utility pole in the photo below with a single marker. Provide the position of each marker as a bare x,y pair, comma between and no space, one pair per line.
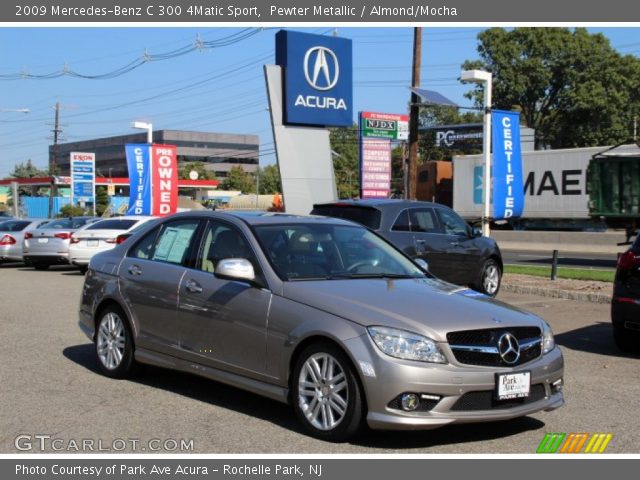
53,156
414,112
635,128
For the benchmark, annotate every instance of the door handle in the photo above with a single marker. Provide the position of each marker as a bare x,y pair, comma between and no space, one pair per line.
193,286
134,270
454,244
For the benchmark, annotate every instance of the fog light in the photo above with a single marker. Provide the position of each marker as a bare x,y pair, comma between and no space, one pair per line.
410,401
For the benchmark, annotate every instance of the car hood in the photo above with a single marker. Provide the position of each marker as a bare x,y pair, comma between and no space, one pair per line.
426,306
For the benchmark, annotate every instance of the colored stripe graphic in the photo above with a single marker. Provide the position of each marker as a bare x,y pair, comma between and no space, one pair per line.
574,442
550,443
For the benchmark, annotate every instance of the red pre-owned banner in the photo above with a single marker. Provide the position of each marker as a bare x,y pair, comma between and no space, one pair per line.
165,179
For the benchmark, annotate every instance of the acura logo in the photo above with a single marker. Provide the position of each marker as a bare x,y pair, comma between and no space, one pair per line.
509,348
321,68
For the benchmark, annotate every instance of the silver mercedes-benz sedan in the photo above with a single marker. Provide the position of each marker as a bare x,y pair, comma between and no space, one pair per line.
320,313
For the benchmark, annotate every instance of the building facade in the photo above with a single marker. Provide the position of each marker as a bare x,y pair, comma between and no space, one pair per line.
218,151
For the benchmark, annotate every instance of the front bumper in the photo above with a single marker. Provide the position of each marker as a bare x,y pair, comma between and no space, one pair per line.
449,382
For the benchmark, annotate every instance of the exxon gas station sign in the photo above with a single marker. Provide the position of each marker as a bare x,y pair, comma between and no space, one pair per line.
318,84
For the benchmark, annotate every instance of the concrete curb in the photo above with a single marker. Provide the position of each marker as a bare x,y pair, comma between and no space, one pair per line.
556,293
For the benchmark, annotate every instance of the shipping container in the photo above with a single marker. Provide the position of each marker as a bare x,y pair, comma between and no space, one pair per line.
556,185
435,183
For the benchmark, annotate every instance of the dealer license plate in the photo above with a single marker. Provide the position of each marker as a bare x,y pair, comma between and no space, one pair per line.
43,240
92,243
513,385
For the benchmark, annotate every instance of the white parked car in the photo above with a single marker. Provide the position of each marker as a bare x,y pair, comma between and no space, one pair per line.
100,236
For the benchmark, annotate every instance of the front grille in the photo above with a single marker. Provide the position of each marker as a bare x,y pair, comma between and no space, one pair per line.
485,400
461,341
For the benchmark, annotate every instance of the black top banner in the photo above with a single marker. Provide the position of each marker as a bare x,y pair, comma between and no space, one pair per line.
294,11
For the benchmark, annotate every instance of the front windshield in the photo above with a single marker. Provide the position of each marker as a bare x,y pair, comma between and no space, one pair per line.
327,251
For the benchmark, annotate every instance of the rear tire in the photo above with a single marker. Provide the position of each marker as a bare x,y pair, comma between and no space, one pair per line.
326,394
626,340
83,269
114,343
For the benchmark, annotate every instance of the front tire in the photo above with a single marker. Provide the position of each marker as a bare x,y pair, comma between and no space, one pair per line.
490,278
326,395
114,343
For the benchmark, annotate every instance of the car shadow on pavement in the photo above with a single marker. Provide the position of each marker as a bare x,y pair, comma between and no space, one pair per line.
215,393
596,338
196,388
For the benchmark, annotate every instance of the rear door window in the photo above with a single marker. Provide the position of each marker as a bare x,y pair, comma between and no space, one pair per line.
402,223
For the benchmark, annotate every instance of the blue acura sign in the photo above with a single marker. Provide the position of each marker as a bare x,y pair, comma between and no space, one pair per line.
318,86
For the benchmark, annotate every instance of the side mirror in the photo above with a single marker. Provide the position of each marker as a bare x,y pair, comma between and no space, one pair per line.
475,232
236,269
422,264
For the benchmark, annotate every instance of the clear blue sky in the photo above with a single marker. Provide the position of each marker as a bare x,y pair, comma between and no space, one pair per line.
220,90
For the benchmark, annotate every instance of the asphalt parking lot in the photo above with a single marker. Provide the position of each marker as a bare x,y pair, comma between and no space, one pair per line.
51,386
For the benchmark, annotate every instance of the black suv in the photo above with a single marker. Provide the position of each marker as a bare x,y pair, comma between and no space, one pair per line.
454,251
625,305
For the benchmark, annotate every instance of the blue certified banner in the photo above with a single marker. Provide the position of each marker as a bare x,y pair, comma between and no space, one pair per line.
139,164
508,193
318,86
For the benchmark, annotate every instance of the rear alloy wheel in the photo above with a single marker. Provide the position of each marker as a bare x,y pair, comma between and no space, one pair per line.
490,278
326,394
114,344
626,340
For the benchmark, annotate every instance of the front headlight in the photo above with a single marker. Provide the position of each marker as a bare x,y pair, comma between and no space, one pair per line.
548,342
406,345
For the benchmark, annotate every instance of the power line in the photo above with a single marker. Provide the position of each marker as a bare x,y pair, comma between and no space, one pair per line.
147,57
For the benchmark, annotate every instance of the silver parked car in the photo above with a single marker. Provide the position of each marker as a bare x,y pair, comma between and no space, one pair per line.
321,313
12,234
49,244
100,236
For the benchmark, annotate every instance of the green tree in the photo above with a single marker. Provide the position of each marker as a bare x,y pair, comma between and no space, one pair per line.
73,211
184,168
569,85
238,179
344,146
102,199
269,177
27,170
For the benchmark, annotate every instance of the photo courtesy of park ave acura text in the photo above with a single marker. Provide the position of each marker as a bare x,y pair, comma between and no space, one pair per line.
316,238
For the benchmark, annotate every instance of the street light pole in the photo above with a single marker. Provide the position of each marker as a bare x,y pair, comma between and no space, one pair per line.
145,126
17,110
480,76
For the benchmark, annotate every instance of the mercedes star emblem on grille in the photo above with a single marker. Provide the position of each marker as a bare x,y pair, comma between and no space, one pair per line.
509,348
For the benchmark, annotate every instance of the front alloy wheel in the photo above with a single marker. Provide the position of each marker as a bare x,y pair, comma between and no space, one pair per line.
327,398
114,346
